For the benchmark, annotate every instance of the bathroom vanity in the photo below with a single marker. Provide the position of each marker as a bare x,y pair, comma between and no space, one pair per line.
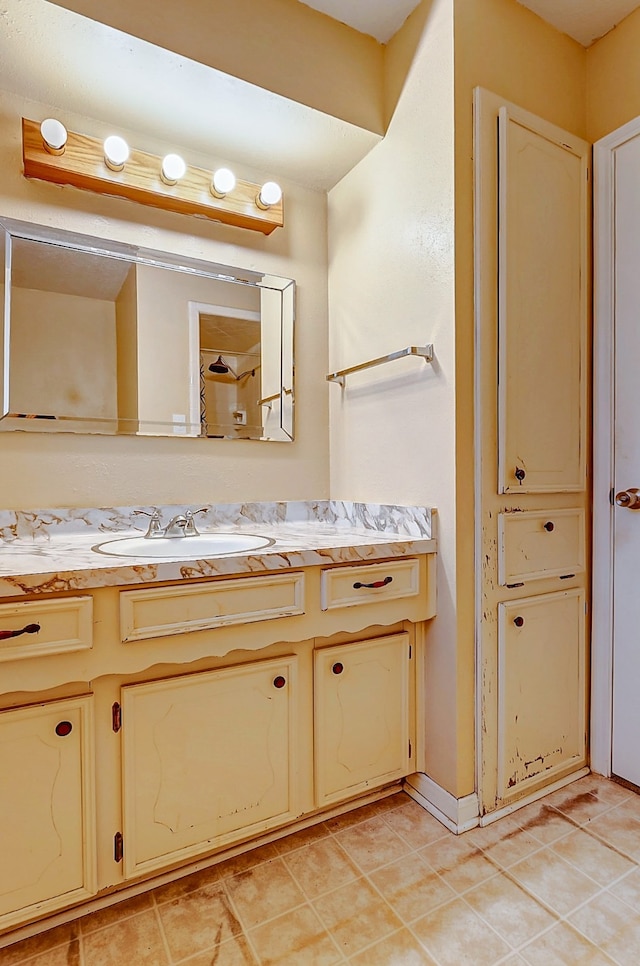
172,708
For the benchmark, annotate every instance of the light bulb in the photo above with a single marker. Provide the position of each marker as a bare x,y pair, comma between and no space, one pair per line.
223,182
173,168
270,194
54,135
116,152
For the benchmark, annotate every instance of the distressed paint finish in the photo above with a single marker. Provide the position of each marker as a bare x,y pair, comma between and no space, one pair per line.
531,732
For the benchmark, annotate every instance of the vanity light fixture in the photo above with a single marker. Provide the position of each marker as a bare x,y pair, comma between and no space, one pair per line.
223,182
116,152
50,153
54,135
270,194
173,169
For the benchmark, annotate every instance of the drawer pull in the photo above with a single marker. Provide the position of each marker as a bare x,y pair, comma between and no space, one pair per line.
279,682
374,585
518,621
549,526
519,474
64,728
28,629
338,668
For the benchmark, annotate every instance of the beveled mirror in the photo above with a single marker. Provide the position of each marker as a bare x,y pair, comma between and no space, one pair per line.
101,337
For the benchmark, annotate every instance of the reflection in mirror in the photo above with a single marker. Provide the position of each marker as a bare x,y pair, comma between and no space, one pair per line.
121,340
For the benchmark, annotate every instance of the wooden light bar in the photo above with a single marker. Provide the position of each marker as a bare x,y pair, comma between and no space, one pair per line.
82,165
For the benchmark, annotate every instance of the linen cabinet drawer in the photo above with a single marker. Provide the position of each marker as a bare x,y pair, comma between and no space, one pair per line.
351,586
162,611
535,545
36,628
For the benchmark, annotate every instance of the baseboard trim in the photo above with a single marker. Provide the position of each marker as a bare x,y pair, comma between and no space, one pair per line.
457,814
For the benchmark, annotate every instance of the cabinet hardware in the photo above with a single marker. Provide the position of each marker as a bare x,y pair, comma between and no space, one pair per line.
118,847
410,749
519,474
116,717
567,576
279,681
518,621
27,629
374,585
549,526
338,668
64,728
512,586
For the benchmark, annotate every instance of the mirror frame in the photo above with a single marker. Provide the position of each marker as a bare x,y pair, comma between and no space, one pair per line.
282,429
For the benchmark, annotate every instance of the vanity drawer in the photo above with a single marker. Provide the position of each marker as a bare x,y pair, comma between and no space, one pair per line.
161,611
65,625
538,544
370,583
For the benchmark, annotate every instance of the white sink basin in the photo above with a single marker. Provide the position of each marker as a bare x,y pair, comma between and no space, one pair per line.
182,548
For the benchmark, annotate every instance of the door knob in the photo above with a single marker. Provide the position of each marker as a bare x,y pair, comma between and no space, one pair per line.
629,498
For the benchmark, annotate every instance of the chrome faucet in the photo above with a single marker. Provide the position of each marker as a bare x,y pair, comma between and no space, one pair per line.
181,525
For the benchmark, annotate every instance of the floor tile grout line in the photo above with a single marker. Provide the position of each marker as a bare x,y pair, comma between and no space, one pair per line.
244,928
163,935
309,905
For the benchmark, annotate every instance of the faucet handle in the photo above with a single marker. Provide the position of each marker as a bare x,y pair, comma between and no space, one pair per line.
190,529
155,524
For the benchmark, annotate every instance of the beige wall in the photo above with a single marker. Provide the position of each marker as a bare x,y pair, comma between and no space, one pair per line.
501,46
63,351
391,283
281,45
69,470
613,78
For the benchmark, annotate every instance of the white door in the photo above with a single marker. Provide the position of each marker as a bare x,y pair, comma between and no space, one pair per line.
626,525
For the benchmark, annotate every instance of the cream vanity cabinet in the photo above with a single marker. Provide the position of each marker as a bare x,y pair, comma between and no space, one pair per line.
47,815
207,757
362,720
218,710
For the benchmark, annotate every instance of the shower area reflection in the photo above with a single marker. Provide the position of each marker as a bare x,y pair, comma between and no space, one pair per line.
230,361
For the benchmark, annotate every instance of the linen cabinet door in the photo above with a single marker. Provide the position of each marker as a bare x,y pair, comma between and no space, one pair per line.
362,723
543,311
47,809
208,758
542,690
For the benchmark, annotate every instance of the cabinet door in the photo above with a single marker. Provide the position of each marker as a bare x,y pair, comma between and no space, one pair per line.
361,716
543,309
541,690
208,758
47,811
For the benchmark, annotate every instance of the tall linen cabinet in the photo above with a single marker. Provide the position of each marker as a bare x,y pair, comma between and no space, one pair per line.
532,183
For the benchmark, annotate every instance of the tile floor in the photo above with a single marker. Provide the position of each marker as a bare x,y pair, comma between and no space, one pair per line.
557,882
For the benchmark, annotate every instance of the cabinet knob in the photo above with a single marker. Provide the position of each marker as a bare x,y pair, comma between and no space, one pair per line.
549,526
27,629
518,621
64,728
338,668
374,585
519,474
279,681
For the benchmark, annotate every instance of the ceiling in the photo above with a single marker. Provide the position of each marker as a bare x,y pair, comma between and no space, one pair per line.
584,20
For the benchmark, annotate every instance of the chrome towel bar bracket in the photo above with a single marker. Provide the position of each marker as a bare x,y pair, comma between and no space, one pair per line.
424,351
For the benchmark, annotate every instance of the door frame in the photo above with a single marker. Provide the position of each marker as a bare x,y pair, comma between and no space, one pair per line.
603,444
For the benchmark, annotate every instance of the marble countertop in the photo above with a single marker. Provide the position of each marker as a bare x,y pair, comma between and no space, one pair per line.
45,551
